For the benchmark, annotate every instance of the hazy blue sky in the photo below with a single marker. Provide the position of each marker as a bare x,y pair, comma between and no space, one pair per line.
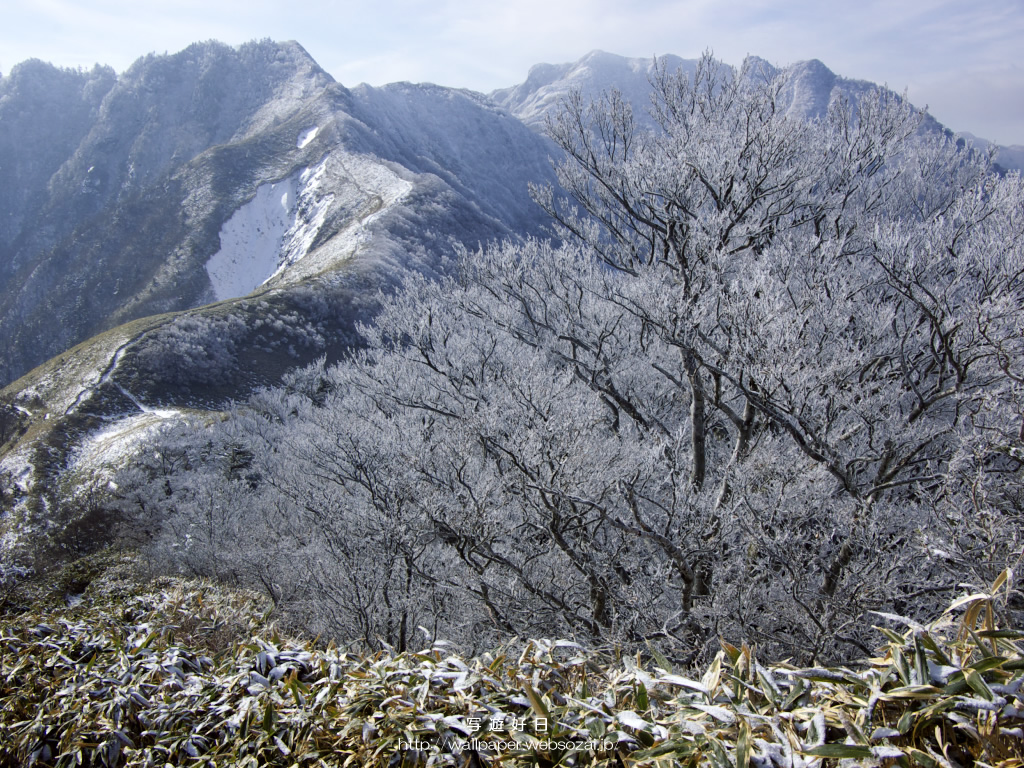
959,57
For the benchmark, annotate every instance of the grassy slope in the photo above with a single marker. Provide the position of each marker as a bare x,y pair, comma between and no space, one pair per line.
74,396
186,673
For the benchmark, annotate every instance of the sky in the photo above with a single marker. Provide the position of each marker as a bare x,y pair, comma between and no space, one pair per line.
957,57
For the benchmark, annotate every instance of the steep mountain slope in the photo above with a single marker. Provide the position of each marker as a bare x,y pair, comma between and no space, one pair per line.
45,113
477,151
124,218
125,210
249,179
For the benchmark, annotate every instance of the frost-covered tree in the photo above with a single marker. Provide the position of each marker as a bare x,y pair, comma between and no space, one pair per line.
832,278
771,381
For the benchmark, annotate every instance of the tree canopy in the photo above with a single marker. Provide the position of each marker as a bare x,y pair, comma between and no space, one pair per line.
769,381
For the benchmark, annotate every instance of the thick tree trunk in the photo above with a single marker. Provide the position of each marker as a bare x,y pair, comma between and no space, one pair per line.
698,438
744,428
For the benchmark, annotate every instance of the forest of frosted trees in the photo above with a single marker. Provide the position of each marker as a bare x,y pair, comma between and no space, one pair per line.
770,381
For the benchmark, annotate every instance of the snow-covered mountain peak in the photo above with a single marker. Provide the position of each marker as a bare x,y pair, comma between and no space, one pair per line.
599,63
592,75
809,89
759,67
539,76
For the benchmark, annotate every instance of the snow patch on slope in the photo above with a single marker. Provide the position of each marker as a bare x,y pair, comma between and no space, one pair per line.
307,136
272,232
250,241
109,447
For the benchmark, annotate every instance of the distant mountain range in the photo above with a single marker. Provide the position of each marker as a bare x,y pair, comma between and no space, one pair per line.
811,85
809,90
207,220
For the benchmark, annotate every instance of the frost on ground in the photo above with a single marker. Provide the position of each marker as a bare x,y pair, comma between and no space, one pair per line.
276,230
111,446
19,466
66,380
